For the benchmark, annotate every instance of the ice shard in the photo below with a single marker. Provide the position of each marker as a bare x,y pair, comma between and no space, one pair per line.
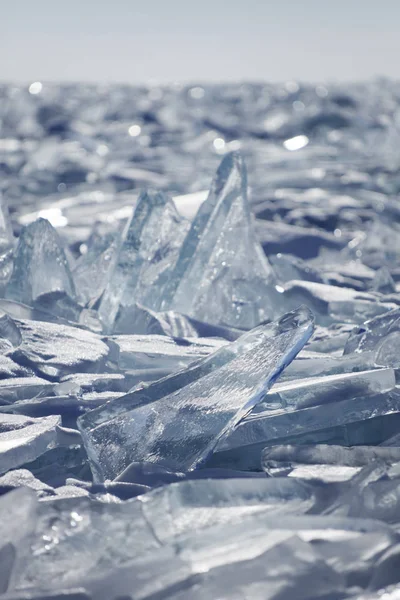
191,411
145,256
41,270
222,275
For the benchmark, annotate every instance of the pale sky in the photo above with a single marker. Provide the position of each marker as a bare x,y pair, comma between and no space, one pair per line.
202,40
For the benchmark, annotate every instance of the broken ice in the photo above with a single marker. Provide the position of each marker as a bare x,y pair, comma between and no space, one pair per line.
181,428
217,469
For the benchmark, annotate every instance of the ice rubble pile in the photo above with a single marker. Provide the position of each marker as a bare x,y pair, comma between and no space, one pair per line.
194,402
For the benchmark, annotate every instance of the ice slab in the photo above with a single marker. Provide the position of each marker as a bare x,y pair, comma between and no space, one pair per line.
272,425
23,388
208,502
266,576
78,540
324,462
23,439
313,391
60,463
53,350
313,364
263,576
40,266
222,275
356,456
188,413
22,478
256,542
9,368
158,351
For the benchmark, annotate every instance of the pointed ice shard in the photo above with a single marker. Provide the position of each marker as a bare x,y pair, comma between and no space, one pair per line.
146,254
178,421
222,275
40,266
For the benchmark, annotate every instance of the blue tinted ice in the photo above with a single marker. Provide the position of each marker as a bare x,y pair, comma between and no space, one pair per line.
41,270
146,253
180,429
141,294
222,275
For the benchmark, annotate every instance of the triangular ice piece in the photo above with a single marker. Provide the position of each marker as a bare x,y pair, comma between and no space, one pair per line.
41,270
147,252
178,421
222,275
